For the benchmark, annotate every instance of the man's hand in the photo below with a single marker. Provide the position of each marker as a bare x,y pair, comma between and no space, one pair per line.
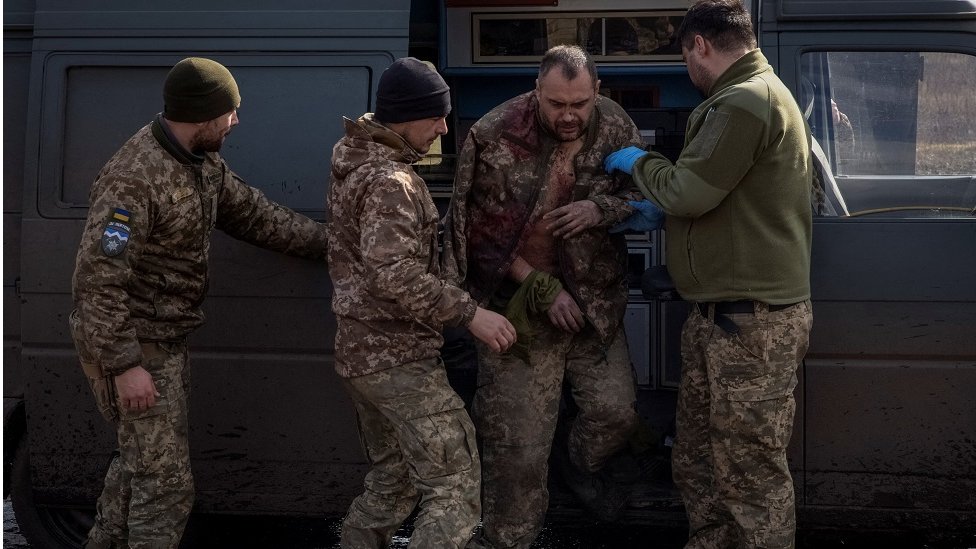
136,389
623,159
573,218
492,329
565,313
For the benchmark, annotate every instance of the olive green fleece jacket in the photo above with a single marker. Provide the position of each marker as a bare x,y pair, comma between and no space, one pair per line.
738,198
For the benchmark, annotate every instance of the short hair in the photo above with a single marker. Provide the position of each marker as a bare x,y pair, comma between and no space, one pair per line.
570,59
725,23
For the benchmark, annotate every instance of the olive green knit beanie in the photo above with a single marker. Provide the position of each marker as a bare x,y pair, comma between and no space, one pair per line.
198,90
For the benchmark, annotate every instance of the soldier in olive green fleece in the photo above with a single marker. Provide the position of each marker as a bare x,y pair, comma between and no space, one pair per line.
140,279
738,246
391,306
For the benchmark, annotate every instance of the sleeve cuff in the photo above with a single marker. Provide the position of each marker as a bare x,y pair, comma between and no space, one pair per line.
467,311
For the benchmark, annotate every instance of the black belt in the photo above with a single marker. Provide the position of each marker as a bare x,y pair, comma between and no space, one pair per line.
733,307
723,308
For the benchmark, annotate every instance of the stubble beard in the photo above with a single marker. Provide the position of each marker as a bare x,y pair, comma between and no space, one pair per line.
208,143
580,129
703,81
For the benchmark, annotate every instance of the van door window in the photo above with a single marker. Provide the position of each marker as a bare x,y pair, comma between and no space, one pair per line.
896,129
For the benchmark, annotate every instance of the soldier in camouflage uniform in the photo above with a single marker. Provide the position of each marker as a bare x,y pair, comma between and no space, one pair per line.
739,233
391,306
140,278
527,231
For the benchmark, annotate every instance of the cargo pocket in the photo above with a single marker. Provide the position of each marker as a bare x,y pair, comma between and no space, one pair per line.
758,409
747,370
153,432
441,444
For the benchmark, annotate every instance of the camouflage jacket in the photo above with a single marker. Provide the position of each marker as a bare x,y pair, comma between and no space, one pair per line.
502,171
389,300
141,269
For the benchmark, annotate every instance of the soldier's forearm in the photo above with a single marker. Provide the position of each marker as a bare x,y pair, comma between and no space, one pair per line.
519,270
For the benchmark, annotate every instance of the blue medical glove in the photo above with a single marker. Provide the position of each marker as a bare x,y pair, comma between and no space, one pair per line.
647,218
623,159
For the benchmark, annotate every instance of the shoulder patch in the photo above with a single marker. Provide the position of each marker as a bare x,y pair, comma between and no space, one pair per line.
709,134
121,215
115,237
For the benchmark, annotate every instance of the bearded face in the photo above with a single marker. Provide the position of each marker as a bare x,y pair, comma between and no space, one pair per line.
566,106
212,133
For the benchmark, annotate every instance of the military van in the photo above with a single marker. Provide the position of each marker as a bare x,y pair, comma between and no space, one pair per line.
885,433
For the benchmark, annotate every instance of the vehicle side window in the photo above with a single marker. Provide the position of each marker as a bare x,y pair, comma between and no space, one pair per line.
896,129
106,98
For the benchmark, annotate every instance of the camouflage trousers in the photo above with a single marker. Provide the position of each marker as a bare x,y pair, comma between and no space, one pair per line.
734,422
421,448
148,491
516,408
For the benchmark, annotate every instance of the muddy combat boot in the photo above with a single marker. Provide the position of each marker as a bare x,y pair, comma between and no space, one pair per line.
652,453
599,493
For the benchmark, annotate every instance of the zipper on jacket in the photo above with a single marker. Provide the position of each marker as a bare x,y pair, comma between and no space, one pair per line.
204,210
205,233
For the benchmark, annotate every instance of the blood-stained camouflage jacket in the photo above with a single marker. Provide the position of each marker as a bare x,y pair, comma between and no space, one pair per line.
389,300
502,171
141,269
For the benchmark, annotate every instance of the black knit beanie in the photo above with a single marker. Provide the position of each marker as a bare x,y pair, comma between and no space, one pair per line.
198,90
411,90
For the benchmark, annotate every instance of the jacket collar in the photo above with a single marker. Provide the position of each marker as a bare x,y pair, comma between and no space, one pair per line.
744,68
366,127
168,142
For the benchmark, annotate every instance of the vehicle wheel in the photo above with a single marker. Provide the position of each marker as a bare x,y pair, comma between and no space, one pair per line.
43,526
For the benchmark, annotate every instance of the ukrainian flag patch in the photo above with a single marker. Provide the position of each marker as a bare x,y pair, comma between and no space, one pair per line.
121,215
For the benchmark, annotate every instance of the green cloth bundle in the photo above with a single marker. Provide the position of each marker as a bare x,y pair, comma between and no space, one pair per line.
535,295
